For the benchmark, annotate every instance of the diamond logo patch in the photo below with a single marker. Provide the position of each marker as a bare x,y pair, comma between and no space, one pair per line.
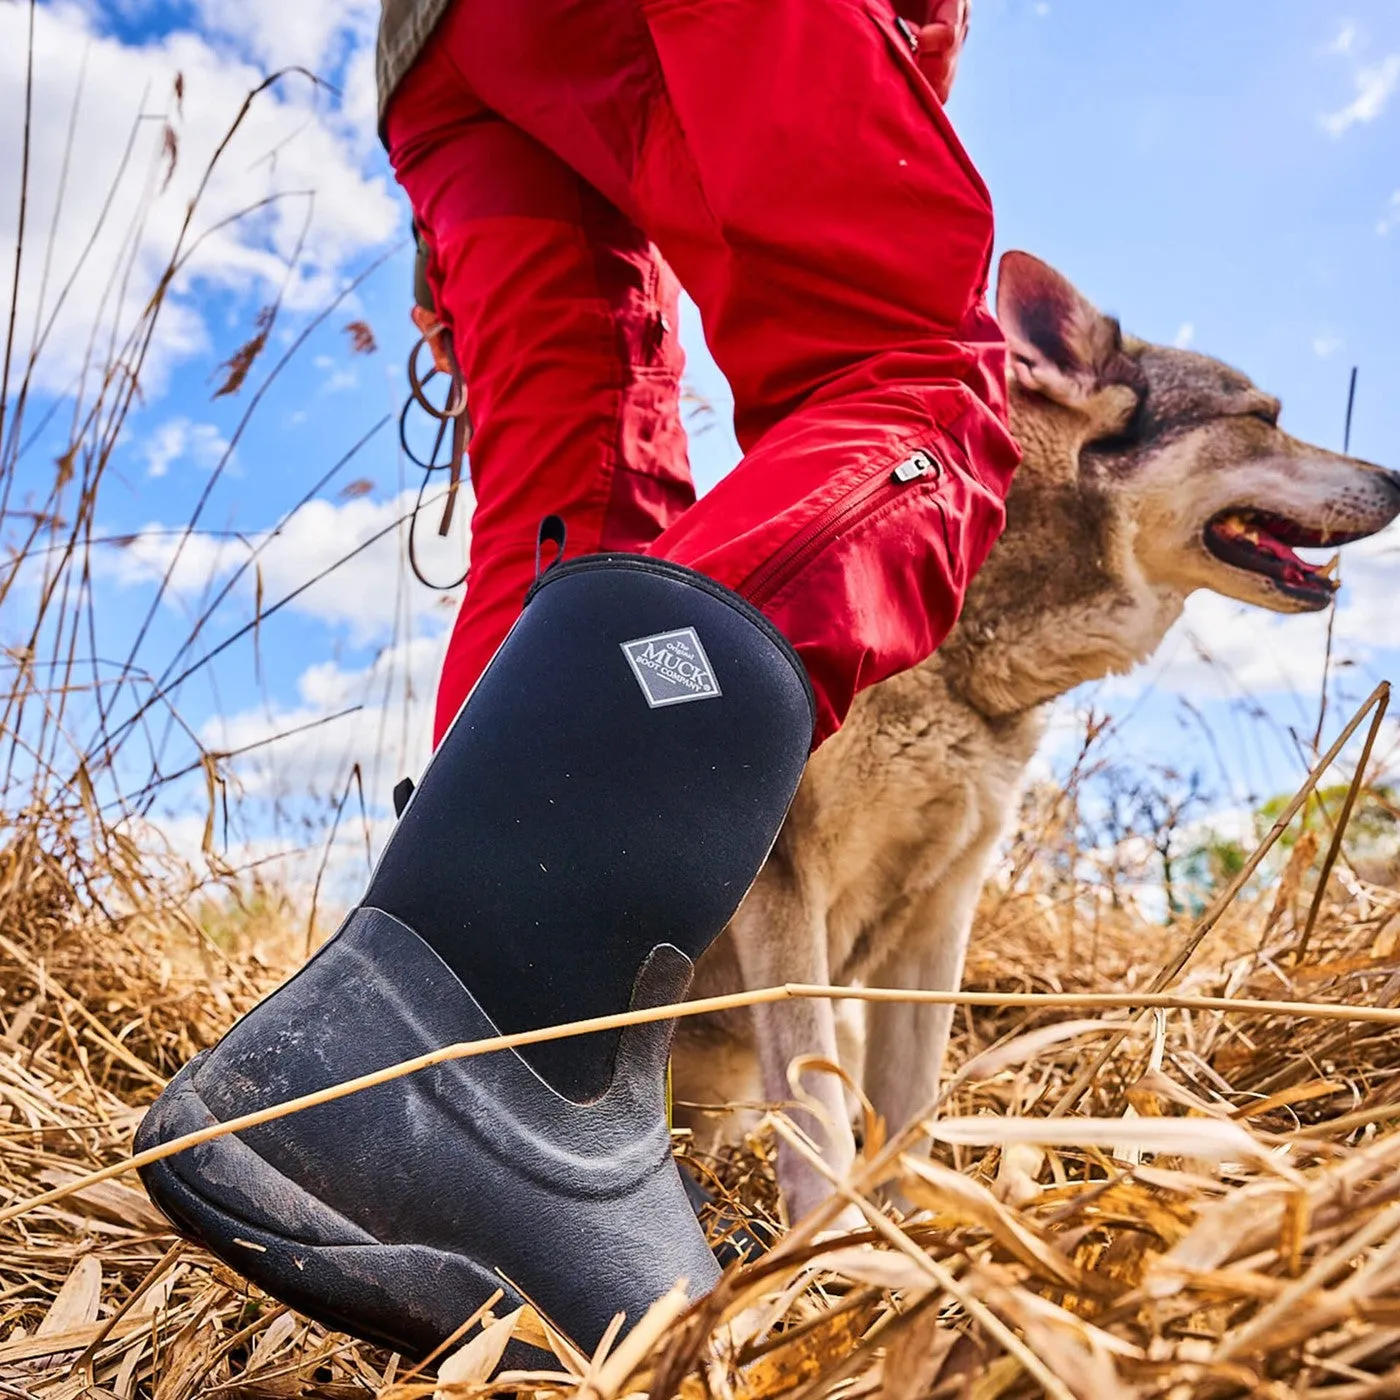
671,668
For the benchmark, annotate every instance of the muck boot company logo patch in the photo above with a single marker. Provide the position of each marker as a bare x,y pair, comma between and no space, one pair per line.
671,668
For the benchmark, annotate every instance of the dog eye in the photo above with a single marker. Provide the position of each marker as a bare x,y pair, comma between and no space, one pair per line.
1115,442
1129,436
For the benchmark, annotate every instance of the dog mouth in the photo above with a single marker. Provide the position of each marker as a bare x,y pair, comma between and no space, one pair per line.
1262,543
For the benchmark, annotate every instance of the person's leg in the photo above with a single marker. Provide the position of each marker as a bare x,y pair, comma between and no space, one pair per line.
588,823
797,170
563,317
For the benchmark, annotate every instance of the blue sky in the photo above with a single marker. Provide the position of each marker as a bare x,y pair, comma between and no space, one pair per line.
1221,176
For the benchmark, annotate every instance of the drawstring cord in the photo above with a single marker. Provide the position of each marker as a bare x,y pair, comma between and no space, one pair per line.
451,417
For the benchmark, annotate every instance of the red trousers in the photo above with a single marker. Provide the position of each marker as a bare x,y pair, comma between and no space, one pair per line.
791,163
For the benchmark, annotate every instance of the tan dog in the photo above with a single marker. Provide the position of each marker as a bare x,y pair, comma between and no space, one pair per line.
1149,473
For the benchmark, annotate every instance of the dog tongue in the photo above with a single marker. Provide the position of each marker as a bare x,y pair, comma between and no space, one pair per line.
1233,527
1292,569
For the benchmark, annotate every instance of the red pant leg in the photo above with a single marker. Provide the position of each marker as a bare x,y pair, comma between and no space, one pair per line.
563,318
799,173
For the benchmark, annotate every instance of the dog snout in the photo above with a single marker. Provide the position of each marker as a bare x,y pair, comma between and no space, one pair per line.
1377,486
1384,490
1385,483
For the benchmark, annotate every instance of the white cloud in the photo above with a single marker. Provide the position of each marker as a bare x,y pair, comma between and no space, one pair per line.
1185,334
142,557
277,35
1064,739
302,768
1325,344
359,104
182,439
363,598
337,377
1223,649
1345,40
1374,85
1391,218
389,735
283,790
294,148
1041,8
297,866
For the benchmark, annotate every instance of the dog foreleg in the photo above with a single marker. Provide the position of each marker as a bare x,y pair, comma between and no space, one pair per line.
905,1043
780,936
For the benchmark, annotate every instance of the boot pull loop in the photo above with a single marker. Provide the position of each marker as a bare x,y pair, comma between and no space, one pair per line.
552,531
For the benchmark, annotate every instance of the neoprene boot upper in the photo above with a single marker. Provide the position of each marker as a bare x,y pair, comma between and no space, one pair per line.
598,809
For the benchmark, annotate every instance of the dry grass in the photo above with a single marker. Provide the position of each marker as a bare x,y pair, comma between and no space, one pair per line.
1219,1216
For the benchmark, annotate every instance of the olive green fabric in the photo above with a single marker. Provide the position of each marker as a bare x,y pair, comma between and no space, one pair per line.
404,26
422,289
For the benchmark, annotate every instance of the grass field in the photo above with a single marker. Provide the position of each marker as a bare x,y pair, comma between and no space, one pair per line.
1215,1211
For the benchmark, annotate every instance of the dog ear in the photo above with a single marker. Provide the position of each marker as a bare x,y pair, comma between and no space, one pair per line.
1058,342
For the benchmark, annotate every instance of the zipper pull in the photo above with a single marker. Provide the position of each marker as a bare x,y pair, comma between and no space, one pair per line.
914,466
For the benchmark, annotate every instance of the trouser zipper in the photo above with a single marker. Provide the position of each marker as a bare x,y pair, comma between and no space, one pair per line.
862,500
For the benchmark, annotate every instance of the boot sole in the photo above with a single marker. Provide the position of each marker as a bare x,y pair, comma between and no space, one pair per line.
395,1212
407,1297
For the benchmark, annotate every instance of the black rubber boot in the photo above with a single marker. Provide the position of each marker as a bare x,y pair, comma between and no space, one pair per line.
592,819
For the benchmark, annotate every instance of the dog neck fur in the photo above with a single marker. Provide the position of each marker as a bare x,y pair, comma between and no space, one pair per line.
1062,599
